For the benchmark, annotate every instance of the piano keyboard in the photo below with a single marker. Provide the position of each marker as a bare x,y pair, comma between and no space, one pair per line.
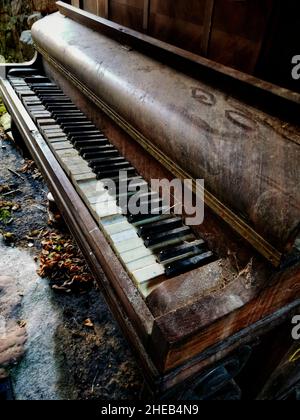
151,247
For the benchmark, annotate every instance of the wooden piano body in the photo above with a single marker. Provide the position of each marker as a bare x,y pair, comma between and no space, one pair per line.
174,115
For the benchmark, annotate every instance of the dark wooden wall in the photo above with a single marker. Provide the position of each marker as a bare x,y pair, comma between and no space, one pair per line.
243,34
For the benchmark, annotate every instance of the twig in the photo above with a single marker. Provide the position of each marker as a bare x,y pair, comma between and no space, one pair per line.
16,173
10,192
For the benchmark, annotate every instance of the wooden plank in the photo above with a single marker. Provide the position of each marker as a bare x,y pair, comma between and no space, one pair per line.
106,9
178,22
207,26
146,15
238,29
91,6
128,13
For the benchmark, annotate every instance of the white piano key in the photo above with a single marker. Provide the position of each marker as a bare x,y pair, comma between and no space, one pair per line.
124,236
141,263
79,170
87,176
93,188
64,145
108,209
46,121
40,108
147,288
135,254
51,128
113,220
67,154
115,228
148,273
129,245
54,136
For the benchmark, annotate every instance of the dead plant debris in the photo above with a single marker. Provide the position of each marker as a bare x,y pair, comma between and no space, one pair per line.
7,208
30,167
63,264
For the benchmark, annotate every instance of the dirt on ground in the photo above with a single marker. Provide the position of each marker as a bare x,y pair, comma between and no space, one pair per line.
94,359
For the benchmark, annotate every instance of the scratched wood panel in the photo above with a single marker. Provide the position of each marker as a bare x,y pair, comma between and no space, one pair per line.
102,8
178,22
90,6
127,12
238,31
97,7
75,3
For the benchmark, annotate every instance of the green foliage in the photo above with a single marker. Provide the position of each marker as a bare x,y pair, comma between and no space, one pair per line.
5,215
2,108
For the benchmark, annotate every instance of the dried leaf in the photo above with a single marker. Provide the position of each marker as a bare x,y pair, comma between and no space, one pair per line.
88,323
22,324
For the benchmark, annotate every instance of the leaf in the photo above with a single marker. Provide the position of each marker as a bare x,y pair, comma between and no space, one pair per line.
22,324
88,323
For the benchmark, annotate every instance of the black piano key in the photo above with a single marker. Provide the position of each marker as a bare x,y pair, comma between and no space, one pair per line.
56,101
130,180
160,238
151,202
75,114
72,119
113,167
78,124
182,266
82,135
169,253
114,173
90,143
54,98
88,137
53,106
45,89
36,84
39,80
86,124
95,162
161,226
116,162
134,181
49,93
105,154
103,162
80,130
90,150
143,218
79,127
65,108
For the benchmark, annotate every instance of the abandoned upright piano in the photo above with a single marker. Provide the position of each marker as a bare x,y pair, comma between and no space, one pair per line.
195,302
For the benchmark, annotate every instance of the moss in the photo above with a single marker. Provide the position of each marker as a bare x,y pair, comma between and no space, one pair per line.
5,215
2,108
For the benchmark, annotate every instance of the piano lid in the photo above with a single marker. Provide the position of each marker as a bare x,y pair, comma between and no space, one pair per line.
249,160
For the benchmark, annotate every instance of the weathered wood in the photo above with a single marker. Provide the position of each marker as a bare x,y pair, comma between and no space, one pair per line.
128,13
207,26
203,145
146,15
231,33
180,326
